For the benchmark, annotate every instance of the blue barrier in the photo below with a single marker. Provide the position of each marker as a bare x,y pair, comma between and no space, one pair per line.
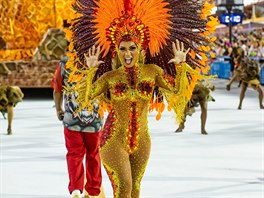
221,69
262,75
215,68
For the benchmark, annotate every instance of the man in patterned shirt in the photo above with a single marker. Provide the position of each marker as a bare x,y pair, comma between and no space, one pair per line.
81,131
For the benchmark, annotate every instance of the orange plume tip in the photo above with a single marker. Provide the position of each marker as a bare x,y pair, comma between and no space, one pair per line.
84,104
71,47
202,62
198,69
204,57
68,33
205,70
208,67
162,107
158,116
213,39
205,33
203,16
212,54
205,49
192,54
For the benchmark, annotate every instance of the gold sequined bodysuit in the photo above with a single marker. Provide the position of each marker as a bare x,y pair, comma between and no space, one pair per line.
125,133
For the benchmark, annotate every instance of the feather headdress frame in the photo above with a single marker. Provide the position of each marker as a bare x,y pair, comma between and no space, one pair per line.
153,24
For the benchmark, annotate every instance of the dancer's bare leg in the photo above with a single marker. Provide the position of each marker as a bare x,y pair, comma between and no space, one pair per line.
203,105
242,94
181,127
260,97
228,86
182,124
10,113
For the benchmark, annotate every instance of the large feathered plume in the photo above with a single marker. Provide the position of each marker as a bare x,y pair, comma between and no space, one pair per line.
163,21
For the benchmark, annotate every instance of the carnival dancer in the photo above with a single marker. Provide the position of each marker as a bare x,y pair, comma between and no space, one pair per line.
9,97
248,73
136,36
200,96
81,132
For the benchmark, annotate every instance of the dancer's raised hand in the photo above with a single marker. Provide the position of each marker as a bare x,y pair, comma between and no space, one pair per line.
91,57
179,54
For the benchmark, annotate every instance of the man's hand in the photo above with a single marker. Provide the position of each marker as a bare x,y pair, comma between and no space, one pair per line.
60,114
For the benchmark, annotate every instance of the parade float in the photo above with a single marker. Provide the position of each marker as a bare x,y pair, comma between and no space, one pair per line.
32,41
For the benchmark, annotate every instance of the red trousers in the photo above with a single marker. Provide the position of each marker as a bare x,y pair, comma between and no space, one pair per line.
80,144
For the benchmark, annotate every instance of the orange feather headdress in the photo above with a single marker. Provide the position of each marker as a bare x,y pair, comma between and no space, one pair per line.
152,24
145,22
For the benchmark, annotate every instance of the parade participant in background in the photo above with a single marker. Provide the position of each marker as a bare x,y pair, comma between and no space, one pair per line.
9,97
248,72
81,131
138,36
200,96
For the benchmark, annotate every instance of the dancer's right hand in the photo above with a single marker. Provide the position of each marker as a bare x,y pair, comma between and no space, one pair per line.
60,114
91,57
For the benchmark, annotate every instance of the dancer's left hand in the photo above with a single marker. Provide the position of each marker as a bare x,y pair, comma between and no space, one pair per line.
179,54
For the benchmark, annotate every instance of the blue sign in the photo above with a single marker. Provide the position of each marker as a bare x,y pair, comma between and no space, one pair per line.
235,19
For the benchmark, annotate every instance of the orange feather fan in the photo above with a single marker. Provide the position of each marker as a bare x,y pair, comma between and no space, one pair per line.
152,24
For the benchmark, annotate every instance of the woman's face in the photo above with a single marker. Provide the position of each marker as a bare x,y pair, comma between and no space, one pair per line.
128,53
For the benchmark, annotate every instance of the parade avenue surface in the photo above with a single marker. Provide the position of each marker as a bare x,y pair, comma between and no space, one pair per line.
226,163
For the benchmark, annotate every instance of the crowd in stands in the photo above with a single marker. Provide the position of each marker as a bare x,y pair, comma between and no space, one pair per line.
251,42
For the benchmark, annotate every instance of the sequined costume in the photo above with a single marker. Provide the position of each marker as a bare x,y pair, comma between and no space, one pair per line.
10,96
200,96
133,27
248,72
